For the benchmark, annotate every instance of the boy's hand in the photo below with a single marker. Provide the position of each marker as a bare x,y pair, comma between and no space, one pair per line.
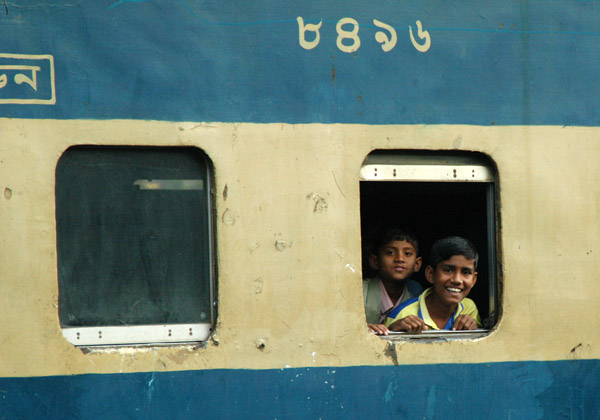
411,323
464,322
378,329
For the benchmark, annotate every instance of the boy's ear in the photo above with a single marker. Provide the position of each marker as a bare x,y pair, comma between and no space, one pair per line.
429,273
418,263
374,261
474,278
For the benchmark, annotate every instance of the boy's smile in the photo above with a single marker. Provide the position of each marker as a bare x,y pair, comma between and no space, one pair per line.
397,261
452,280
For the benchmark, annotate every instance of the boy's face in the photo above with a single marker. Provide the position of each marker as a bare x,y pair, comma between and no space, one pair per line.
397,261
452,279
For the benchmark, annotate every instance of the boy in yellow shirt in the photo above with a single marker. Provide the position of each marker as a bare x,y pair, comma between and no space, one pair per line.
452,272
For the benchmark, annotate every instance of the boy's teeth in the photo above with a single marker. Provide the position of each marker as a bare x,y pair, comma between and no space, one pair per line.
452,289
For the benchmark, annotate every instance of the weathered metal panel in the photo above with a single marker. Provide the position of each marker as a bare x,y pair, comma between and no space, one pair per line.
514,62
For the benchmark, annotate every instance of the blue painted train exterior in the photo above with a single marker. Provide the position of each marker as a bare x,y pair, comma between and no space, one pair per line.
507,64
489,63
530,390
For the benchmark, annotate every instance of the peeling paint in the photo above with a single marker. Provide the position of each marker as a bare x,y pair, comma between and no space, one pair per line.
390,391
320,203
580,351
258,285
391,352
261,344
150,391
282,245
180,357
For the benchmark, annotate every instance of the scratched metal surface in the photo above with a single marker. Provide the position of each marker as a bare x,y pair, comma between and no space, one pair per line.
477,62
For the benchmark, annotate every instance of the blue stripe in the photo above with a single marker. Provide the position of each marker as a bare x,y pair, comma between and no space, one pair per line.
491,391
490,63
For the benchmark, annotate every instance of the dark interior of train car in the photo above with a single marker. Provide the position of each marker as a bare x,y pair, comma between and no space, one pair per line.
433,210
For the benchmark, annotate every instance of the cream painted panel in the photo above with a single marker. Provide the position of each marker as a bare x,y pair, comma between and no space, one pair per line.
288,245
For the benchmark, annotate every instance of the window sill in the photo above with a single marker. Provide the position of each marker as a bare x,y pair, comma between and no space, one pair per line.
436,335
138,334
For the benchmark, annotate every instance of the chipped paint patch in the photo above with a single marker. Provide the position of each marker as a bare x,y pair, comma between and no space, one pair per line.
320,205
281,245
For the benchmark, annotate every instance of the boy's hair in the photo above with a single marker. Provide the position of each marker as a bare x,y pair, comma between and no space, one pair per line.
393,233
446,248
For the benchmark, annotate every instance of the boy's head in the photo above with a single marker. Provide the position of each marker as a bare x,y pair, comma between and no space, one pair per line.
395,255
452,269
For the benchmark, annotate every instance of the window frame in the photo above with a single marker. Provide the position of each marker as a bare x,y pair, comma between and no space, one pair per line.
156,333
416,166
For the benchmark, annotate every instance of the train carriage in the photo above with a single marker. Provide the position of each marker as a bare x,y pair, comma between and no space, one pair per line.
188,189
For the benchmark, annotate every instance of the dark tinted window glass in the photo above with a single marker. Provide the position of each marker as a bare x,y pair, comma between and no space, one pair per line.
134,236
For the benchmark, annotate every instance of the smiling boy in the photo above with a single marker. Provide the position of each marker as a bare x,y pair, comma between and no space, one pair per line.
445,306
395,258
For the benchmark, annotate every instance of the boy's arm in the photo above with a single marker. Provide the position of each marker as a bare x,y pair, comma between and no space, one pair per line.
464,322
405,318
469,317
411,323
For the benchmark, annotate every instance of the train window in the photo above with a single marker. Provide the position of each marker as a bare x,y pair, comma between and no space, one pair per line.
134,245
435,195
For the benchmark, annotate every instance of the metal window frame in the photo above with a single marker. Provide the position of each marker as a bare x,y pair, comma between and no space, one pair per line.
425,166
112,335
137,334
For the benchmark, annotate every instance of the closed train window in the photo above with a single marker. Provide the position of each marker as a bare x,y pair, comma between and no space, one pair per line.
435,195
134,245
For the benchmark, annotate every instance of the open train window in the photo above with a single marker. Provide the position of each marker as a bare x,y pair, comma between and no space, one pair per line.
135,245
434,195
